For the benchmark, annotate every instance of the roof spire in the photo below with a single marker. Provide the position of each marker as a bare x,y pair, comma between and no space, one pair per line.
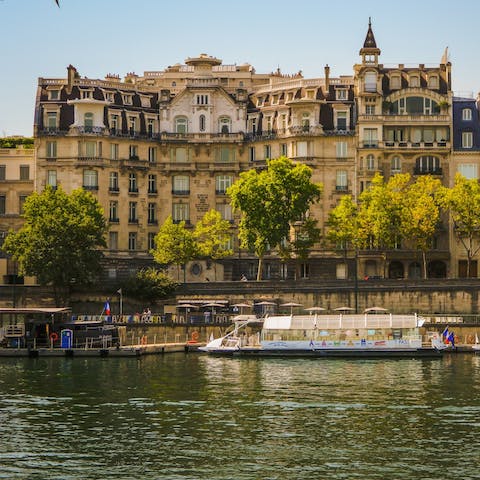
370,38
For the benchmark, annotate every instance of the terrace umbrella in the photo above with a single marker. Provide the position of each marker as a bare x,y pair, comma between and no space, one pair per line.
314,309
375,310
242,306
265,303
186,306
291,305
344,309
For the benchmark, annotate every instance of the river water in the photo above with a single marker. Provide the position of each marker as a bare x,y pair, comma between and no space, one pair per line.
190,416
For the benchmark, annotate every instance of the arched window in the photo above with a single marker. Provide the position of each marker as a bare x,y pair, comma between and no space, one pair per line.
201,123
88,121
224,124
427,164
181,125
396,165
370,82
415,106
370,162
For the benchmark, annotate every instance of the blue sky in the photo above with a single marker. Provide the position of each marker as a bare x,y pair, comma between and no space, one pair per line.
119,36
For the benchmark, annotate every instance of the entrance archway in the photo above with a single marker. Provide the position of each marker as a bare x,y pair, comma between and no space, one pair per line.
396,270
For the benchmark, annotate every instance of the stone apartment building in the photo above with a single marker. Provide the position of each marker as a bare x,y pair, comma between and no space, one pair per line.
171,142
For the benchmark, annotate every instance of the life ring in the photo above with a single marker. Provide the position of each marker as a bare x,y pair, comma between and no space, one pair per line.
54,336
194,338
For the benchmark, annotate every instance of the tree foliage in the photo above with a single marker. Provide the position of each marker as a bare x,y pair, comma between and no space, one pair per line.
270,201
212,234
60,238
174,244
150,285
463,203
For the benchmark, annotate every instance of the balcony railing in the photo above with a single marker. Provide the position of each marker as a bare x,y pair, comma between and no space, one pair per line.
431,171
177,191
84,130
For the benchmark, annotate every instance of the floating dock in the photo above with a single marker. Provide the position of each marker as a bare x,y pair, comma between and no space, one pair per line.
124,351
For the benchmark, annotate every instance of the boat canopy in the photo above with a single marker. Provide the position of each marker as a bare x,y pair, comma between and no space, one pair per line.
340,322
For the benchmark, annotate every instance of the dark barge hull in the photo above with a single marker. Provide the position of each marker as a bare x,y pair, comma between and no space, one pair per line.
333,353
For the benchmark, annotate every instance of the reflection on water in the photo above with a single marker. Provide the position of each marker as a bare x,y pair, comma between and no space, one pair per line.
196,417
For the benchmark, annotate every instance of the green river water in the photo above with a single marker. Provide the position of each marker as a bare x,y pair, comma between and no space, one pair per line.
190,416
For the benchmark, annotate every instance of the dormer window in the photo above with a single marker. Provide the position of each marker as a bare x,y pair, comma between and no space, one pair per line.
341,94
466,114
395,82
145,101
54,94
202,99
414,81
433,81
310,94
109,96
259,101
224,124
127,98
86,93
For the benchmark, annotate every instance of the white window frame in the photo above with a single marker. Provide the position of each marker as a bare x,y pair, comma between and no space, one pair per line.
467,139
466,114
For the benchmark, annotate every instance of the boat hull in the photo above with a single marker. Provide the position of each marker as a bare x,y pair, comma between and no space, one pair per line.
331,353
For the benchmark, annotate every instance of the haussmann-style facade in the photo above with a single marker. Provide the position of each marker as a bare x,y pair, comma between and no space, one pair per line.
171,142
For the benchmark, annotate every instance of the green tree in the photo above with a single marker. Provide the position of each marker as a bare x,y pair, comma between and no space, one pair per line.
60,239
212,234
421,215
270,201
150,285
175,244
463,203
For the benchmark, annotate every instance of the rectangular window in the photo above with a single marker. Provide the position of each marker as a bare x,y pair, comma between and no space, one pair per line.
152,183
21,203
181,185
152,154
341,149
151,241
181,155
133,152
202,99
54,94
283,149
152,213
113,182
251,154
114,151
51,149
132,183
113,240
342,181
3,170
466,114
51,120
225,210
114,124
132,241
127,99
3,201
302,149
90,179
24,172
370,137
267,151
180,212
467,139
369,109
341,121
150,127
52,178
222,182
86,93
468,170
113,212
91,149
225,154
342,94
132,212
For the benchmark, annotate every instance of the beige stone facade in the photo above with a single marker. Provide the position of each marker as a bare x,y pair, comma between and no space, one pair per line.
170,142
17,171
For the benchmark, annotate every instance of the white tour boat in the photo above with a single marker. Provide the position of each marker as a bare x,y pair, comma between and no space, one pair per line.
336,335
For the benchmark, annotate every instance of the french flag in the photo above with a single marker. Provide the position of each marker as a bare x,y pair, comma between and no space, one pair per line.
106,308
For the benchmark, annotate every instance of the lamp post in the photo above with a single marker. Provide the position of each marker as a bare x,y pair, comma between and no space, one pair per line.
119,291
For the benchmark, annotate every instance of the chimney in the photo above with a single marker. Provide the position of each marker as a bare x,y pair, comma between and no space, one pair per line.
327,79
72,74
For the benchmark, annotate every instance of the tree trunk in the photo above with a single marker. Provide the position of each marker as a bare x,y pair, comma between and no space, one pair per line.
260,267
424,259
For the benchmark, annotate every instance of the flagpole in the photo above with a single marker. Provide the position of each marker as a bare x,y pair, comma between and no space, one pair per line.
119,291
